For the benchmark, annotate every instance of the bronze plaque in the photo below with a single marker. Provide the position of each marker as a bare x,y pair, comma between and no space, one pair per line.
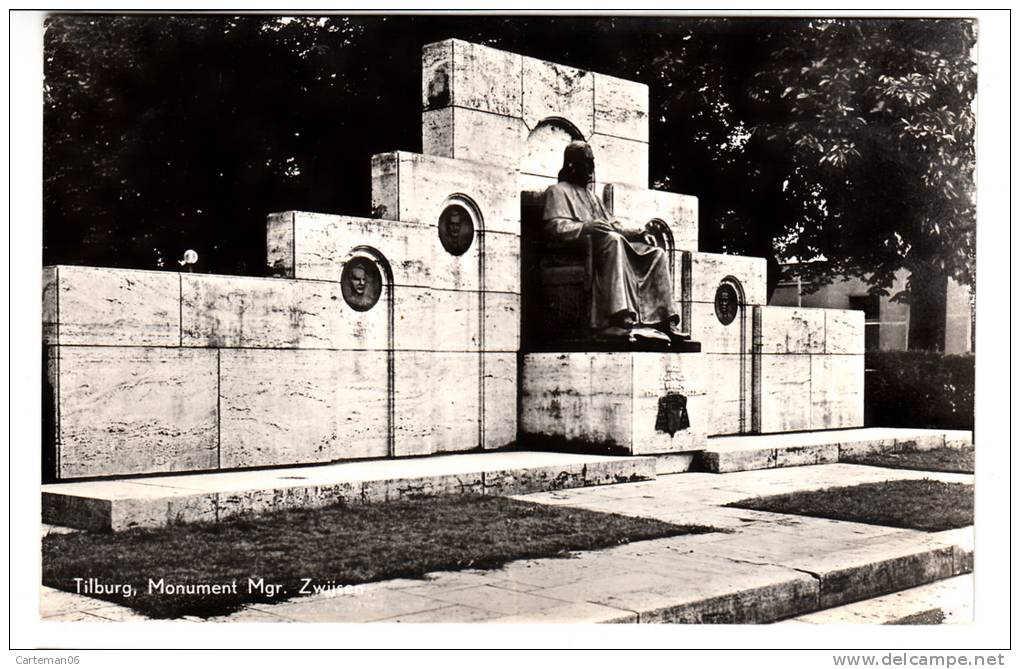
672,416
726,303
361,283
456,230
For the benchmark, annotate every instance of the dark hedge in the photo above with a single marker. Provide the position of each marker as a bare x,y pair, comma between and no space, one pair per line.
919,389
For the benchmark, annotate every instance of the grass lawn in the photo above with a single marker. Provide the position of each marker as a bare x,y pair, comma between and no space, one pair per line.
341,545
918,504
960,460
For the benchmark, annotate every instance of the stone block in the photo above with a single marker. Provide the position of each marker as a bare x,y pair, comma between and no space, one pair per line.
890,440
959,439
716,337
454,389
582,397
419,487
849,576
113,307
242,503
413,391
323,242
728,373
50,404
327,494
749,603
190,509
240,312
502,256
415,188
280,244
558,91
49,305
623,470
812,454
537,182
502,322
785,393
641,205
437,133
709,269
281,407
837,391
621,107
533,479
499,411
792,330
472,76
542,152
844,331
450,320
437,401
440,320
674,463
653,376
136,410
725,461
79,512
618,160
612,400
466,134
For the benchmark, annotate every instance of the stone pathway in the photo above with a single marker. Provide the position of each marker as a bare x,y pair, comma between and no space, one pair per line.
767,567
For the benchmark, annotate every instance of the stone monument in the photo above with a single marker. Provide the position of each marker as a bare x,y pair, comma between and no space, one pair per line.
415,332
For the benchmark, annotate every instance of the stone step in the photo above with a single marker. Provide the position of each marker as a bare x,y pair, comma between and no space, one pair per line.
768,451
812,582
947,601
686,579
154,501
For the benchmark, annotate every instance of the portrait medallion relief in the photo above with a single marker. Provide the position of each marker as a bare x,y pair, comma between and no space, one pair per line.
726,303
361,283
456,229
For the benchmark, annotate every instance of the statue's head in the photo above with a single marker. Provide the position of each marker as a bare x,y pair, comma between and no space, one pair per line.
359,282
453,223
578,164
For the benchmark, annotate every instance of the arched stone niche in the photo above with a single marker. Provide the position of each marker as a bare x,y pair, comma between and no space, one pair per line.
459,224
543,150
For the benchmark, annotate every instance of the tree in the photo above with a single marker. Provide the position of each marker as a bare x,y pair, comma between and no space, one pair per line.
849,142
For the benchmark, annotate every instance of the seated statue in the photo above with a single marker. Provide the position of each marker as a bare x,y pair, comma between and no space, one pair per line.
632,295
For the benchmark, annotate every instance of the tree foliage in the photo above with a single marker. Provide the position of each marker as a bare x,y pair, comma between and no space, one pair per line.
846,142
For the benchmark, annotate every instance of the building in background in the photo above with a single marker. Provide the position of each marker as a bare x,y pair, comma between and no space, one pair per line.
887,323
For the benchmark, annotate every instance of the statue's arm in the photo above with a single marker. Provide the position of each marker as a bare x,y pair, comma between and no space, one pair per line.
558,220
563,229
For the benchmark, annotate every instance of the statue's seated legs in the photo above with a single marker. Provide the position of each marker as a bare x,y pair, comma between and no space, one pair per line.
632,290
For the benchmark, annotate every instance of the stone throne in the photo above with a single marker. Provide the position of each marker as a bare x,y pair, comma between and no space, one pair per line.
556,284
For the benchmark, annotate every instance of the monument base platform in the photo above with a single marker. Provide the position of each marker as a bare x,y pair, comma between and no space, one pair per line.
767,451
155,501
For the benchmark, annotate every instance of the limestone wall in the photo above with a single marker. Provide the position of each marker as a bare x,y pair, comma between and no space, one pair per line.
811,369
493,106
161,371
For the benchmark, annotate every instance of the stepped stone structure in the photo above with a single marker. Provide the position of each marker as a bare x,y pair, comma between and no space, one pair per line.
401,335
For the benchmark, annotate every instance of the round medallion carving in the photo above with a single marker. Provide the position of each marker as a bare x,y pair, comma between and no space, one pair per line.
726,303
361,283
456,229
